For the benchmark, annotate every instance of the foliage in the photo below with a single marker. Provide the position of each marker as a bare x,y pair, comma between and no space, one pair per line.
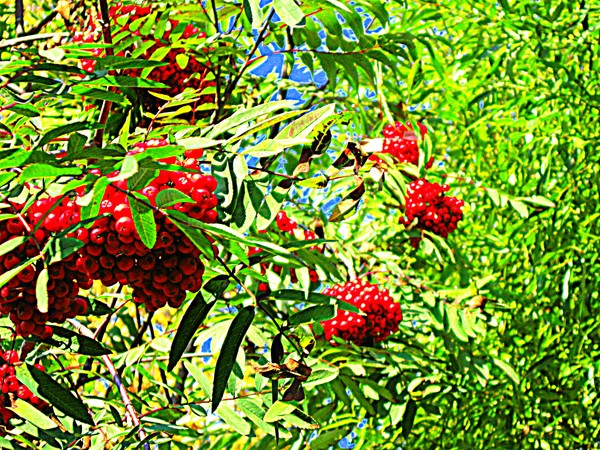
498,345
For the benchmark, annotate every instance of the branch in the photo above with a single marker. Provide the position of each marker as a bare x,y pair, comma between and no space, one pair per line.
107,37
122,390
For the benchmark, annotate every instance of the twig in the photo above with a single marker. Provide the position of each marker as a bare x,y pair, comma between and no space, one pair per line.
20,23
122,390
106,104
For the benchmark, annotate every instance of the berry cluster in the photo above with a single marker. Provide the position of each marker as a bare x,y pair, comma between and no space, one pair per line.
401,142
380,314
179,72
434,211
11,387
18,296
289,226
113,251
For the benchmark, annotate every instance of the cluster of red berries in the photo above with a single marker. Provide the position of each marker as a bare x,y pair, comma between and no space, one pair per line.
288,226
176,74
113,251
379,318
18,296
433,210
11,388
401,142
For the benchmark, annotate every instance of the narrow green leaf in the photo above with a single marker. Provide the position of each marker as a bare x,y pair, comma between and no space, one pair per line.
30,413
317,313
217,285
278,411
36,171
41,291
10,274
143,218
168,197
12,243
408,419
76,343
508,370
42,385
195,235
191,320
231,345
233,419
65,129
129,168
58,248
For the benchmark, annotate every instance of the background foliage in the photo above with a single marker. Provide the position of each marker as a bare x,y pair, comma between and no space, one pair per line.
499,342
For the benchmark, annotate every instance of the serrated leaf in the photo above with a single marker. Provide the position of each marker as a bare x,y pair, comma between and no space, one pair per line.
44,386
231,345
191,320
66,129
90,202
317,313
170,196
30,413
233,419
278,411
143,218
41,291
539,200
76,343
289,12
36,171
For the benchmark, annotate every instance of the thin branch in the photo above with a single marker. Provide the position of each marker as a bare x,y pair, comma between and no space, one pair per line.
106,104
131,412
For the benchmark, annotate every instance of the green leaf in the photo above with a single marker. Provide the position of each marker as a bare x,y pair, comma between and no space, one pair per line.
456,324
278,411
41,291
192,319
538,200
76,343
90,202
242,116
143,218
66,129
317,313
42,385
11,244
233,419
217,285
59,248
10,274
520,207
408,419
196,236
508,370
36,171
30,413
129,168
169,197
231,345
289,12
